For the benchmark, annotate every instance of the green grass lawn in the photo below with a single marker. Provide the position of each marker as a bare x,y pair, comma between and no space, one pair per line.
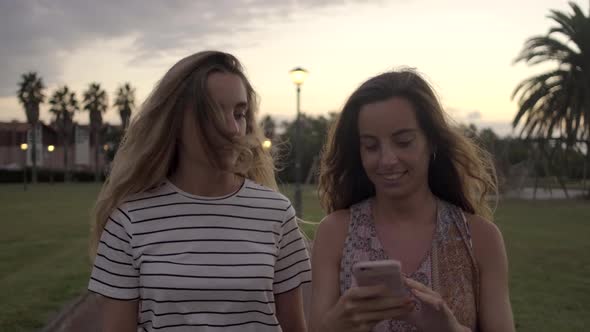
43,251
44,264
549,251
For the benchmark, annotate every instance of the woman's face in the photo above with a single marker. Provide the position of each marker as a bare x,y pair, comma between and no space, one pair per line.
229,93
394,150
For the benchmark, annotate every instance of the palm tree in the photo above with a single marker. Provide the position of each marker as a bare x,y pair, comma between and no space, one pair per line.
63,106
95,102
125,102
30,94
557,101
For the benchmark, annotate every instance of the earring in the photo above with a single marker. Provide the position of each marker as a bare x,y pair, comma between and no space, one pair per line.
434,156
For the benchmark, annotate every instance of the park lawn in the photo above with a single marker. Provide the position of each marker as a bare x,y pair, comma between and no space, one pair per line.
43,251
44,261
549,253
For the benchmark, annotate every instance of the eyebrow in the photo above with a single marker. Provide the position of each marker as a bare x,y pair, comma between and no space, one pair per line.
395,133
240,104
404,131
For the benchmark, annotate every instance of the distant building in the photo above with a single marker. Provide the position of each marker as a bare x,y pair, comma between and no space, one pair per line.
81,154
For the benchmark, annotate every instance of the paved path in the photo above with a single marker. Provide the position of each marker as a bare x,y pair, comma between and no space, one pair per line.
81,315
542,193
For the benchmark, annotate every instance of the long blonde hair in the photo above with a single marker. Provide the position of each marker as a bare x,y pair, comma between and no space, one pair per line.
461,173
148,152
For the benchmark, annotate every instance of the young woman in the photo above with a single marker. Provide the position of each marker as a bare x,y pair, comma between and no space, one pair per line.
400,183
189,232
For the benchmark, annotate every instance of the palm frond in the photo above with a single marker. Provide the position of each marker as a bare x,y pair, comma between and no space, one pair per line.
557,102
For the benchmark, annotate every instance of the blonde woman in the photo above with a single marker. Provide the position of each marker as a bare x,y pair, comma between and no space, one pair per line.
400,183
189,232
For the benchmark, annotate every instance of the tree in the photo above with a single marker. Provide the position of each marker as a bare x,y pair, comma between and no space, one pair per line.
111,136
125,102
30,94
313,135
95,102
557,101
269,127
63,106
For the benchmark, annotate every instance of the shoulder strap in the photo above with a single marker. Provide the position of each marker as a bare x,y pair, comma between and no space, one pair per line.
463,227
358,212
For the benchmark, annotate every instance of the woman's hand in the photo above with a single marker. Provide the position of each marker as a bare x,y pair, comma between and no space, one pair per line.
434,314
361,308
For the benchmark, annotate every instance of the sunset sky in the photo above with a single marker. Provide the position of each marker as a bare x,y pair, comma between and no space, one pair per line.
465,48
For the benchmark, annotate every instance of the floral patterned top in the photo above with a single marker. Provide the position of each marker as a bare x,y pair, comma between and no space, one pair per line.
449,267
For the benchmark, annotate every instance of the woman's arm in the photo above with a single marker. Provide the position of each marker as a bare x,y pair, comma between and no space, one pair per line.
290,310
488,245
325,262
359,309
118,315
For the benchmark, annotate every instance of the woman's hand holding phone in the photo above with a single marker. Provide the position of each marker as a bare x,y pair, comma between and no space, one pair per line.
380,295
361,308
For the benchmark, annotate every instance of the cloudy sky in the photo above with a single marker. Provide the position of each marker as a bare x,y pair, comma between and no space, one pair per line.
465,48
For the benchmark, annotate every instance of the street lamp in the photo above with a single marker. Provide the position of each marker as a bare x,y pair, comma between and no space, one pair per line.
50,149
105,158
24,147
298,76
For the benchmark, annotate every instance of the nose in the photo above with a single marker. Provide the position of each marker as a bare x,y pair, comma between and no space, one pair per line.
232,126
388,156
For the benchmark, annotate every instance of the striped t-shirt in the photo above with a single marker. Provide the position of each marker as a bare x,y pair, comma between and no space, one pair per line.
202,263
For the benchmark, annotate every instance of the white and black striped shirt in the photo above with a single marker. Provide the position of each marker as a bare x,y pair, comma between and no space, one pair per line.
202,263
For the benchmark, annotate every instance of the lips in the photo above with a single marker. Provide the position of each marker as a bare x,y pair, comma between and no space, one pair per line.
393,176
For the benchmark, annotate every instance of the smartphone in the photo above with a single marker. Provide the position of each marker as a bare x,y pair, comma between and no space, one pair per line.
383,272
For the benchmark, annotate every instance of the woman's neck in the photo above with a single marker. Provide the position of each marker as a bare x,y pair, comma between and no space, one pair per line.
419,207
205,180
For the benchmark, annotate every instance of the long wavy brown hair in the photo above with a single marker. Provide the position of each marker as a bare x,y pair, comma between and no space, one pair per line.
462,173
149,153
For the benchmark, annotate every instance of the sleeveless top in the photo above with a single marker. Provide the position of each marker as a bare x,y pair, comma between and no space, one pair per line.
449,267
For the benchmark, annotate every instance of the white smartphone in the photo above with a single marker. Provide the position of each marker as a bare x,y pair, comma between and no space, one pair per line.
383,272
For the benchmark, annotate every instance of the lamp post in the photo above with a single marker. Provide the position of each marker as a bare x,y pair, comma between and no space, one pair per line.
50,149
298,76
24,147
104,169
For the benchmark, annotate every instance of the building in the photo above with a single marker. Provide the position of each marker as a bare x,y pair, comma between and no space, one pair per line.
81,154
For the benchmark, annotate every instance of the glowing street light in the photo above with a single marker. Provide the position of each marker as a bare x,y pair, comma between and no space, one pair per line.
50,149
24,147
298,75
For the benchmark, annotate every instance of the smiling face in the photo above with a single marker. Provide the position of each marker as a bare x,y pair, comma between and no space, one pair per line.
394,151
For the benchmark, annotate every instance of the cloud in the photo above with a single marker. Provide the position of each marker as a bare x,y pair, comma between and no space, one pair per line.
38,35
474,115
465,117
